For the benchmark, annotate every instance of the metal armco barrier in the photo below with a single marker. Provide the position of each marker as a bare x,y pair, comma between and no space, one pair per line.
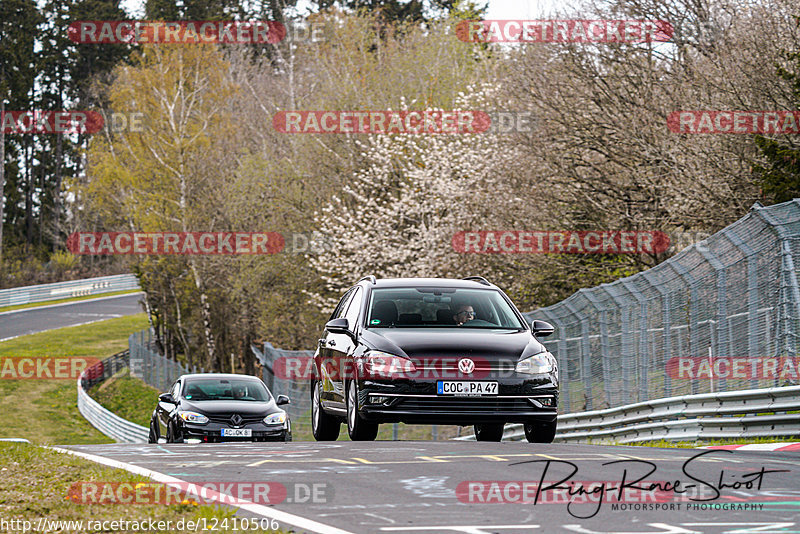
102,419
753,413
64,290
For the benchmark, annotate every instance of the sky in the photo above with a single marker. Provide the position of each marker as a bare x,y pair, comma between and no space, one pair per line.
498,9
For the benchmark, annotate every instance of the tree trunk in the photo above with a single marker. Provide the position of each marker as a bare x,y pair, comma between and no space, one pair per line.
206,312
57,194
2,172
28,195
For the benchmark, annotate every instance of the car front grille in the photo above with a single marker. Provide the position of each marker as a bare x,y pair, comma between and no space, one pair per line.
227,419
467,404
450,365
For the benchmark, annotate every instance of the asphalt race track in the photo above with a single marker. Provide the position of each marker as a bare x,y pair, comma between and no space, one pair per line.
48,317
383,487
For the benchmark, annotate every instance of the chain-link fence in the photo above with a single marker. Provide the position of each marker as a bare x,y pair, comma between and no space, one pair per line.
298,391
154,369
721,315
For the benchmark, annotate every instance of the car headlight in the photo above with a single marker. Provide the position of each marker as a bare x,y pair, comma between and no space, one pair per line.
193,417
379,364
544,362
275,418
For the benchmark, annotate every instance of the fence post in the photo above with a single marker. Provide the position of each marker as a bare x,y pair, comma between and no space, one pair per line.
586,357
561,357
666,324
752,292
605,377
626,343
641,360
694,302
722,313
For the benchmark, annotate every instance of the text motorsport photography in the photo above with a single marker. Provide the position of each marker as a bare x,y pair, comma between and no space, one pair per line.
632,488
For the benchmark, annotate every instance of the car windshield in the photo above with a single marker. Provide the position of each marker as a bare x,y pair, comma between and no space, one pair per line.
434,307
203,389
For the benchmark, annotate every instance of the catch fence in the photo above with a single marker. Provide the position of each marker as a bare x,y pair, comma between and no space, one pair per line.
721,315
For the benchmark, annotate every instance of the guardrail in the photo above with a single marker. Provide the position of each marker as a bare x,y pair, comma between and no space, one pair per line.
62,290
101,418
722,415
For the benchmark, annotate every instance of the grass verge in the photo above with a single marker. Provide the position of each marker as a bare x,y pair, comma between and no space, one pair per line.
36,483
51,414
66,300
126,396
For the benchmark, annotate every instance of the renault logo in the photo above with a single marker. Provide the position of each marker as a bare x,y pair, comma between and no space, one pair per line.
466,366
236,419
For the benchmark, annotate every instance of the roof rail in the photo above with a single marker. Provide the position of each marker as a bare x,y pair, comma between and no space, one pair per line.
371,278
480,279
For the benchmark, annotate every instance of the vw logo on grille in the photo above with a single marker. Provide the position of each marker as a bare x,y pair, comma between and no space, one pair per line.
236,419
466,366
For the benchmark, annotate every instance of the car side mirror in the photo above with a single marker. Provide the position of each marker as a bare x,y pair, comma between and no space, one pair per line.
282,399
541,328
167,397
338,326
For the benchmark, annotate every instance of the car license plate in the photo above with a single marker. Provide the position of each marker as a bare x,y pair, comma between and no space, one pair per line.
237,433
466,388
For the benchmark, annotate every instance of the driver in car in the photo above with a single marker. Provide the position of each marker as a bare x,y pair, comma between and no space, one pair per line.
464,313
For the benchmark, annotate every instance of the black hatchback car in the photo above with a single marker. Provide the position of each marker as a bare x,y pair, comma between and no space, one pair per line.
214,407
438,351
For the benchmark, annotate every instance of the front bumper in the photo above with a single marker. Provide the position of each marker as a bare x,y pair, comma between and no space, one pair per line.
212,432
518,400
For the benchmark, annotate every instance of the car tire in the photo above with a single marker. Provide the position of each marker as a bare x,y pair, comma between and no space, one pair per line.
357,427
172,434
490,432
540,432
152,436
324,427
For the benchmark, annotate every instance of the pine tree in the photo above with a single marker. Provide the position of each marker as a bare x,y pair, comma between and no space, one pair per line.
19,20
780,173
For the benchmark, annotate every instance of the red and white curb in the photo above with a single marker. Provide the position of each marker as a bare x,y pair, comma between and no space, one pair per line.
757,447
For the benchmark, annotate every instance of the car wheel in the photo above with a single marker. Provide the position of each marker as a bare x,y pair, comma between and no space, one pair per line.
540,432
173,436
491,432
324,427
357,427
152,436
